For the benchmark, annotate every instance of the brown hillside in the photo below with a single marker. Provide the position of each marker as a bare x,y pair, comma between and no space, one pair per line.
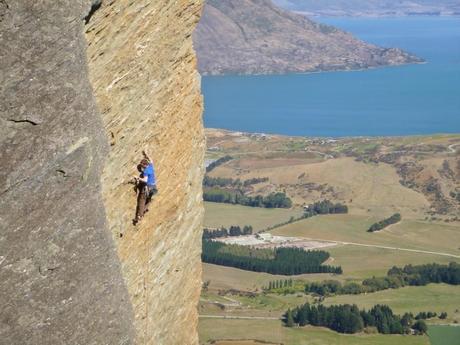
256,37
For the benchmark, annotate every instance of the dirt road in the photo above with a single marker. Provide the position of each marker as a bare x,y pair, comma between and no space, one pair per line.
390,248
239,317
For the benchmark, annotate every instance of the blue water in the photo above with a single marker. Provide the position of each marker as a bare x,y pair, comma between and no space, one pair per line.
404,100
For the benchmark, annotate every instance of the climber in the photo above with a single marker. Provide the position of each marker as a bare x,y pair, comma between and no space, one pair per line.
146,186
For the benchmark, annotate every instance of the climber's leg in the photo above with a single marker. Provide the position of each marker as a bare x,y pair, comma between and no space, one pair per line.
152,190
141,202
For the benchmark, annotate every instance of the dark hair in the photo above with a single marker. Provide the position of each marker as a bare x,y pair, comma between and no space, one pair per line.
140,168
144,162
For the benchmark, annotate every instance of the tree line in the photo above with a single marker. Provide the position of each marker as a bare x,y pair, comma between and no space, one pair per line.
384,223
396,277
325,207
234,230
349,319
218,162
229,182
277,284
286,261
273,200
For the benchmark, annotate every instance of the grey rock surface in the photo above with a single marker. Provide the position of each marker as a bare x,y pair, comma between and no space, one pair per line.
60,278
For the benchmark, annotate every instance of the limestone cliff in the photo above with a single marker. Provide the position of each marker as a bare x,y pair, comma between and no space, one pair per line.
74,117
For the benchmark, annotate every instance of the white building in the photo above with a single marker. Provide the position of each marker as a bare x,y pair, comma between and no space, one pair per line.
264,236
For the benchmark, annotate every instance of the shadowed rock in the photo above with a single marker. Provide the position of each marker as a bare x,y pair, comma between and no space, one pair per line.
60,277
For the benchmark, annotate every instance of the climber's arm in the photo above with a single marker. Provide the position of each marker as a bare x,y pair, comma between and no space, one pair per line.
140,178
146,155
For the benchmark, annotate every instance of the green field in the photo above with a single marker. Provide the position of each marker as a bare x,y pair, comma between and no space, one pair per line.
373,192
359,263
224,278
433,297
444,335
273,331
412,234
218,214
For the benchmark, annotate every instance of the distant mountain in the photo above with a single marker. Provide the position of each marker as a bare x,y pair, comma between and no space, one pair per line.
373,7
257,37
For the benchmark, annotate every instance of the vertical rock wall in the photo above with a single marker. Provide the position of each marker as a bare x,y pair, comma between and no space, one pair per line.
143,71
60,277
73,269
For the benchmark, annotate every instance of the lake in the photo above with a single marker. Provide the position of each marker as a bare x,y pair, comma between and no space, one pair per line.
402,100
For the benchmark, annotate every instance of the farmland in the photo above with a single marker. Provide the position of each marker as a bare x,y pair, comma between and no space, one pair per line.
417,177
273,332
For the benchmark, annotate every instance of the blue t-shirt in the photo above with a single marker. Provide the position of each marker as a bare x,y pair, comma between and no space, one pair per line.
150,173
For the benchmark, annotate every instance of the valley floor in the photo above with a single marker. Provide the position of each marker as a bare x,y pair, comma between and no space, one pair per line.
375,178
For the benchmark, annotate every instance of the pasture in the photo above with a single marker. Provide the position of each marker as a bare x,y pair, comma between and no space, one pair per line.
433,297
444,335
273,331
411,234
217,215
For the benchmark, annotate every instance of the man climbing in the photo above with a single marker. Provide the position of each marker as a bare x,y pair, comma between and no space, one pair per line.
146,186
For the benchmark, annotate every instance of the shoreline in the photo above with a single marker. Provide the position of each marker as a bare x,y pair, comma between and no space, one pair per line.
357,15
351,137
363,69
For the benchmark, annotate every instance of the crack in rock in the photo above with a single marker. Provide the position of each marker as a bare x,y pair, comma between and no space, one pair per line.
32,122
96,4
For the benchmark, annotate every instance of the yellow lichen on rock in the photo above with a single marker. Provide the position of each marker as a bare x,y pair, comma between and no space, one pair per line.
143,71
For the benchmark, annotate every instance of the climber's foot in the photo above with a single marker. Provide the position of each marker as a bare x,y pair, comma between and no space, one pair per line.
136,220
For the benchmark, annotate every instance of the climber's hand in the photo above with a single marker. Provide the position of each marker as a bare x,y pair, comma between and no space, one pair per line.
146,155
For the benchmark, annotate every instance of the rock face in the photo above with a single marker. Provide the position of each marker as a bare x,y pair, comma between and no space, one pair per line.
60,276
143,71
256,37
73,270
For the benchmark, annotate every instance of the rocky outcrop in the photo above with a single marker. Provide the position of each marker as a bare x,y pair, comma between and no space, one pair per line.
73,269
257,37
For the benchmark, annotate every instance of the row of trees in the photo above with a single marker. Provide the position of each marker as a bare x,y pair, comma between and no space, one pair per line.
348,318
234,230
384,223
396,278
273,200
424,274
286,261
229,182
277,284
325,207
218,162
254,180
423,315
209,181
